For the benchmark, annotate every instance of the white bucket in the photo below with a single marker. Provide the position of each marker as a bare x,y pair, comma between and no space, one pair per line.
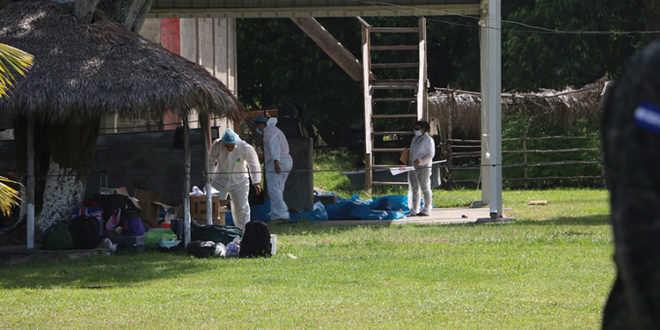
273,244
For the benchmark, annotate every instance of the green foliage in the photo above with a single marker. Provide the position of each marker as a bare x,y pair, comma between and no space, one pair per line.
515,126
534,59
550,269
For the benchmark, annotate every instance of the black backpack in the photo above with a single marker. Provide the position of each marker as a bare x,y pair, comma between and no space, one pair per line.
86,232
256,240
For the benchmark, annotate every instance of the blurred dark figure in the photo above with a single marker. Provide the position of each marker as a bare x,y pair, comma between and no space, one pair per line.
631,149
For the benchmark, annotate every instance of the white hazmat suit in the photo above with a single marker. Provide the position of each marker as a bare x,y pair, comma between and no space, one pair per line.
422,148
230,176
276,148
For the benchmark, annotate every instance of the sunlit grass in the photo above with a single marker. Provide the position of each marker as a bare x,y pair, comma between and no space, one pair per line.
549,269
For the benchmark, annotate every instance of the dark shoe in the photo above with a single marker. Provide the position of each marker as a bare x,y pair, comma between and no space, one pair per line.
411,214
422,214
281,221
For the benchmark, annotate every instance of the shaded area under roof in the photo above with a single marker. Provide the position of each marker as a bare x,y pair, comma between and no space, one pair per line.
87,70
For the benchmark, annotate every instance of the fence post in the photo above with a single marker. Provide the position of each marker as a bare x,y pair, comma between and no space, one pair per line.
450,174
524,147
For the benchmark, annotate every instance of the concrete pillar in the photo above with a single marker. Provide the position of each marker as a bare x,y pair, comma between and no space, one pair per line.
491,106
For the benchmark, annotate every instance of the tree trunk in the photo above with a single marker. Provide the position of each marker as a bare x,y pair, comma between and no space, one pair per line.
63,191
64,152
129,13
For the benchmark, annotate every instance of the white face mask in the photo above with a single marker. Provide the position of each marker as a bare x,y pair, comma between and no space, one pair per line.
260,131
417,132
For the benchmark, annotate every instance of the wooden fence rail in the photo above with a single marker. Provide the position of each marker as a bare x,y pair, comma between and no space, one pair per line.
460,149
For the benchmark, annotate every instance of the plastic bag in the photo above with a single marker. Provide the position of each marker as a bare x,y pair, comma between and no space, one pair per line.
318,213
156,235
391,203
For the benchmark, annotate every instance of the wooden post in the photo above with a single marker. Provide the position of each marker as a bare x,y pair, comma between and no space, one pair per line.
368,142
30,182
524,150
186,184
204,121
450,174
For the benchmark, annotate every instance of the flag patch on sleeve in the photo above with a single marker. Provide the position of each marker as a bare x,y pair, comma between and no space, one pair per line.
647,116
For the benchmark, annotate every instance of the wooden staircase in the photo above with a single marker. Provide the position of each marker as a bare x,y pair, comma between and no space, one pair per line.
391,103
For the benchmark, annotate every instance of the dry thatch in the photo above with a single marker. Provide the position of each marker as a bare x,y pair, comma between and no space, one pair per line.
85,70
548,107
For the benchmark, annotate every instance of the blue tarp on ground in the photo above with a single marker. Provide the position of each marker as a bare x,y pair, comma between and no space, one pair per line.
392,207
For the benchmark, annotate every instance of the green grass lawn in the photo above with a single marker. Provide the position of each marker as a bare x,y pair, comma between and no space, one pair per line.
550,269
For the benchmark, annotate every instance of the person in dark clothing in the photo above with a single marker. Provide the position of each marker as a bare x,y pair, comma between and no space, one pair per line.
631,149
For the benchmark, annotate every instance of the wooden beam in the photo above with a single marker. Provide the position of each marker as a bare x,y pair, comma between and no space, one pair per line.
327,42
165,9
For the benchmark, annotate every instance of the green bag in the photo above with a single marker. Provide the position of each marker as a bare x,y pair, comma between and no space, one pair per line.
58,237
215,233
156,235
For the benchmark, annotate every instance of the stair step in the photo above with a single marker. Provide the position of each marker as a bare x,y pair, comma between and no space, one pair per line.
401,115
400,84
387,149
394,99
383,183
393,65
394,30
395,47
393,132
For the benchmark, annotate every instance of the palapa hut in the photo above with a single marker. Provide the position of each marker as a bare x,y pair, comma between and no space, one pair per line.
81,72
461,110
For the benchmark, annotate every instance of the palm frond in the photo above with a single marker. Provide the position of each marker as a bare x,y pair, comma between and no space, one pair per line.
12,59
9,196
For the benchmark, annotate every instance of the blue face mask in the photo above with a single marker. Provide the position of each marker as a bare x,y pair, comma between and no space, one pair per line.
417,132
260,131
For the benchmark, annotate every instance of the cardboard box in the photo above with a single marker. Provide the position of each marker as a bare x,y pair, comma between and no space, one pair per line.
150,206
198,209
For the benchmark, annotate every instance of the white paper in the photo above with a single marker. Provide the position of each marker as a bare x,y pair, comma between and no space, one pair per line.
402,169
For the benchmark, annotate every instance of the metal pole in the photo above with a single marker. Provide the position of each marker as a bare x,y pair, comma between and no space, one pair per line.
368,142
491,107
30,182
186,185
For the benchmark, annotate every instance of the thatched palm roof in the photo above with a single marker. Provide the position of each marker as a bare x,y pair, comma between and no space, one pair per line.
86,70
547,107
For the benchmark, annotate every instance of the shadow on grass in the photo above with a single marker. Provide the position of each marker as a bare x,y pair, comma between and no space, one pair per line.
102,272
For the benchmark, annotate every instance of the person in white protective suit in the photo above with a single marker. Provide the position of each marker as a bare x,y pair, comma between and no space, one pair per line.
230,161
422,150
278,163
